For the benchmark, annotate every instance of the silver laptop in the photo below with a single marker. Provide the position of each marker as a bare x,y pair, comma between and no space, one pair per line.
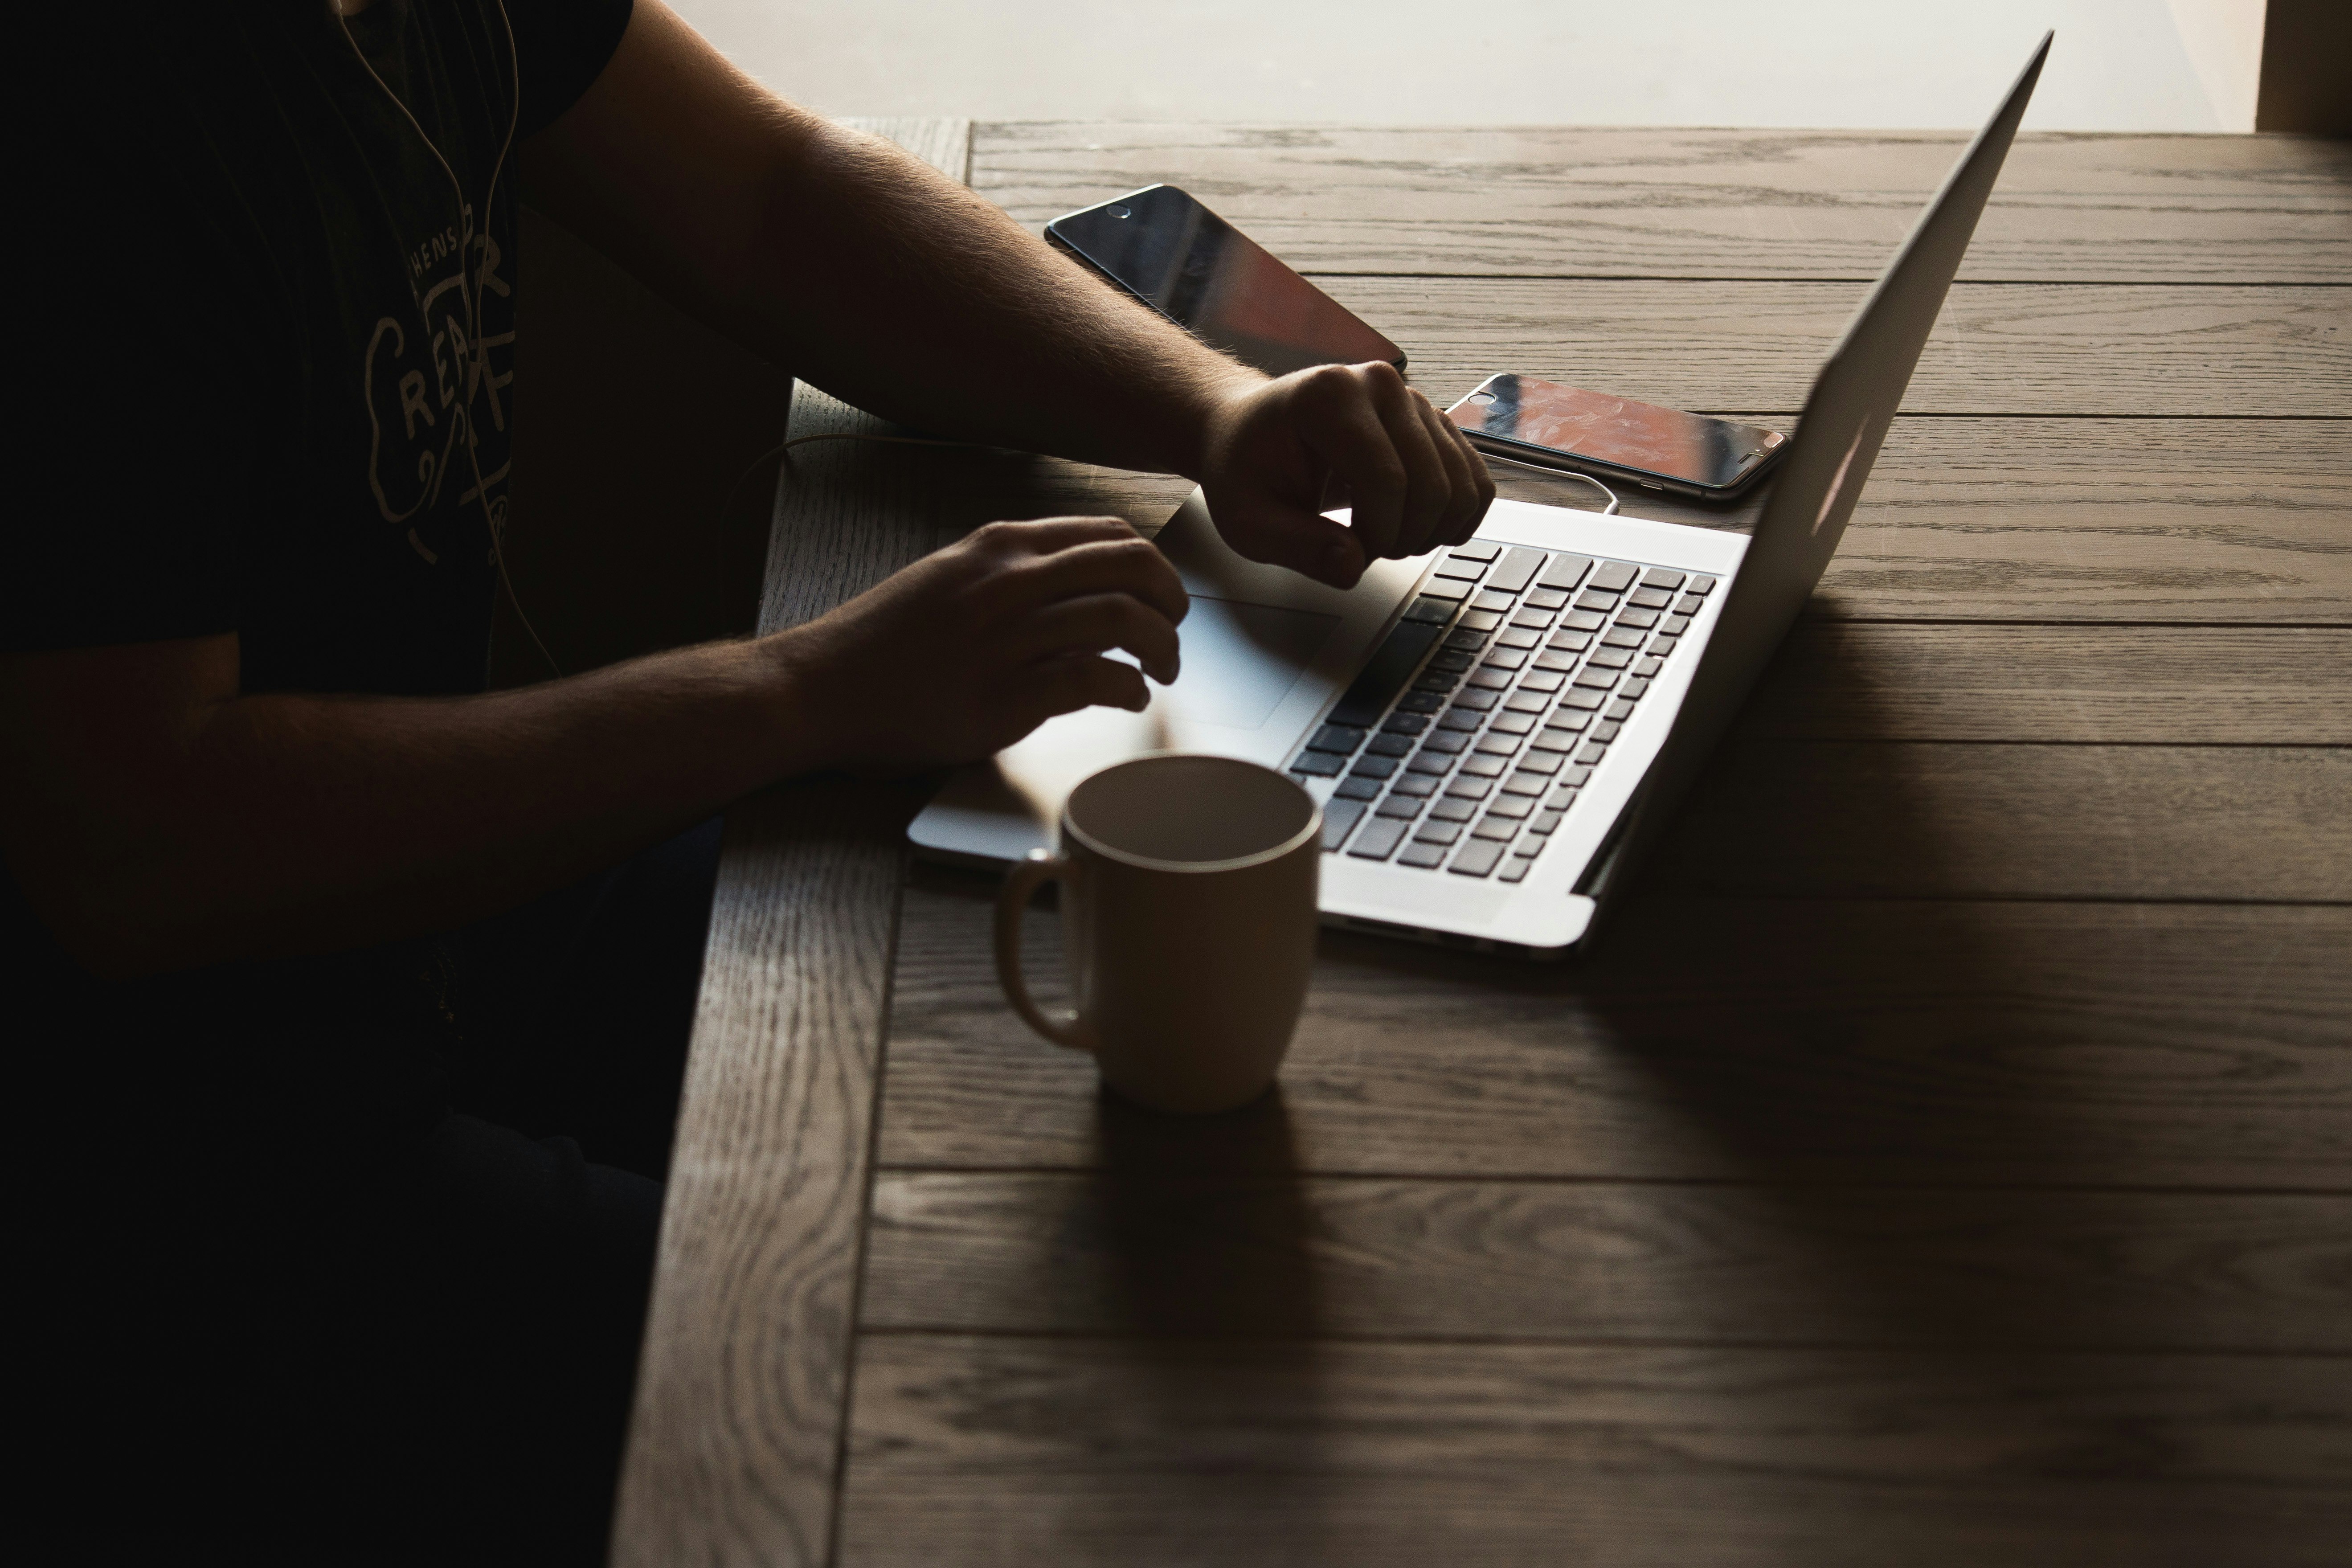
1499,733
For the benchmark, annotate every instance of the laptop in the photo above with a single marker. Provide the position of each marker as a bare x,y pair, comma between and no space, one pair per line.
1499,734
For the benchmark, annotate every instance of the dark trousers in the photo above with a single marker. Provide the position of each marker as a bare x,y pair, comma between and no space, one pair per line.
436,1363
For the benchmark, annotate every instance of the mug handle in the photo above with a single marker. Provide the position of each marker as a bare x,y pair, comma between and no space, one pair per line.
1021,884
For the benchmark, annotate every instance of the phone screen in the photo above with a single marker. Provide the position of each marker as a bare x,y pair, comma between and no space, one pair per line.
1714,454
1218,283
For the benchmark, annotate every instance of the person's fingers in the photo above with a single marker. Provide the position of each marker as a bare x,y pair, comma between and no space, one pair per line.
1132,565
1464,506
1338,418
1095,624
1429,486
1043,535
1282,535
1053,686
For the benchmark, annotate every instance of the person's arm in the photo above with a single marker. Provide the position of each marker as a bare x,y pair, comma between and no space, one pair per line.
157,819
855,266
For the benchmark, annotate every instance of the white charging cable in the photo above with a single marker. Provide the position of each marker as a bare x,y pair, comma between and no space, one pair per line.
1608,510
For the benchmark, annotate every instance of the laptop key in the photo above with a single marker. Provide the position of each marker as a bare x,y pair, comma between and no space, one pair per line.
1420,856
1338,816
1385,674
1477,767
1620,710
1461,718
1664,577
1649,666
1582,620
1547,599
1599,681
1452,659
1636,686
1481,620
1462,570
1420,703
1558,659
1494,745
1494,603
1650,598
1606,731
1464,638
1448,742
1565,571
1337,738
1544,762
1404,807
1470,788
1437,612
1609,657
1357,789
1445,590
1533,619
1543,681
1511,724
1403,724
1520,637
1414,785
1623,637
1476,858
1505,658
1488,680
1435,764
1477,550
1379,839
1645,620
1452,811
1477,701
1689,605
1594,602
1491,829
1580,698
1699,584
1674,626
1543,823
1615,577
1593,755
1515,870
1510,807
1391,746
1319,765
1370,767
1527,702
1437,833
1515,569
1525,782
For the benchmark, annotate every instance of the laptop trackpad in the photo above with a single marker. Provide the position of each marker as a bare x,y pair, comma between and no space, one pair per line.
1241,661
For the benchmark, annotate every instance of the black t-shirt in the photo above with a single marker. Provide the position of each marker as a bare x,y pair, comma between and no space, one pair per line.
272,358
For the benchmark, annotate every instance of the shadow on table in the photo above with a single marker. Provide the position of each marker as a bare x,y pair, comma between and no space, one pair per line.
1212,1295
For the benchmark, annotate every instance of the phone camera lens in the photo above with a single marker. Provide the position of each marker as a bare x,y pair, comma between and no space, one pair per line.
1482,398
1117,211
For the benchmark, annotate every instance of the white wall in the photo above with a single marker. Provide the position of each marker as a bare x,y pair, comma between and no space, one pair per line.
2117,65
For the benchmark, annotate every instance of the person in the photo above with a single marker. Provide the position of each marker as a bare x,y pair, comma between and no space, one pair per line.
349,999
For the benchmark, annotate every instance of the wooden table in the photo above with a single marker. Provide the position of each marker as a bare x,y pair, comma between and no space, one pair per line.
1949,1158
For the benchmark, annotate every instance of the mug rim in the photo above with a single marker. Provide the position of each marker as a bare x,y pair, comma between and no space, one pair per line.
1312,830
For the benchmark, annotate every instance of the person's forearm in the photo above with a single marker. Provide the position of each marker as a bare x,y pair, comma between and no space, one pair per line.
934,283
861,269
298,823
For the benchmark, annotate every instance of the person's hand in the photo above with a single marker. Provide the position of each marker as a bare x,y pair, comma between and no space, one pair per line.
968,650
1277,453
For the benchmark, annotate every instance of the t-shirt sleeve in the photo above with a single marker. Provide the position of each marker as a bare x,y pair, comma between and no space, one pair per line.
562,45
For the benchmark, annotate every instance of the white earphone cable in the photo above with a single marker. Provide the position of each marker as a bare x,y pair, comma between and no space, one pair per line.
470,284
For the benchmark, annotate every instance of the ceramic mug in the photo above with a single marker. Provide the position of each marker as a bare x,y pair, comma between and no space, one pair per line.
1188,921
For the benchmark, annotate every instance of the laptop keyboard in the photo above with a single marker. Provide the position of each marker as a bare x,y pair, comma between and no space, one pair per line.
1462,743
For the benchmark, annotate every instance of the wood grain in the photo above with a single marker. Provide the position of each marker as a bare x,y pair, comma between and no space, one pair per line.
2023,348
1649,203
1709,1039
2171,685
1016,1452
734,1444
1129,1252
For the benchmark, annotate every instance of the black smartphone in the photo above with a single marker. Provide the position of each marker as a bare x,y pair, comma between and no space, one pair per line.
1217,283
1555,426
